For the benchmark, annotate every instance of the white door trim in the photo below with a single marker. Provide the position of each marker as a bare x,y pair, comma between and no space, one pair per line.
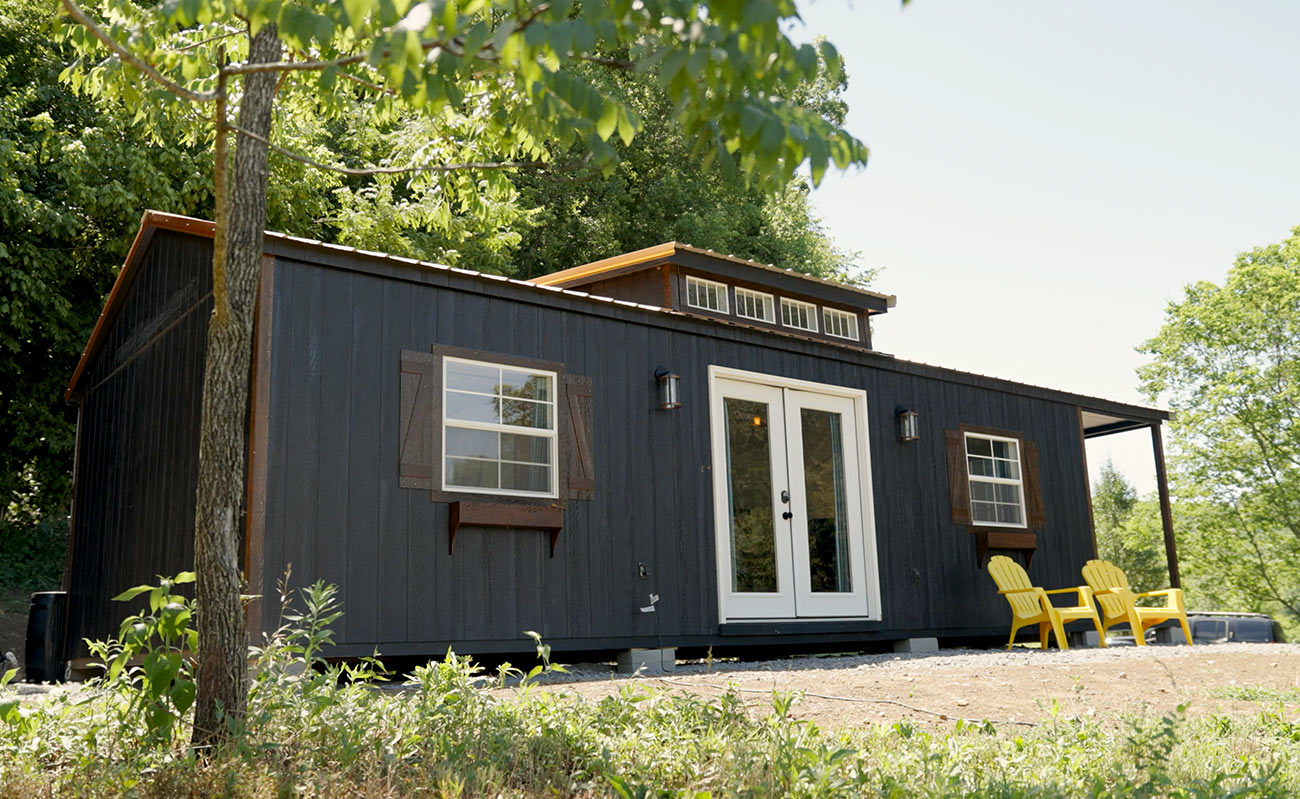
870,562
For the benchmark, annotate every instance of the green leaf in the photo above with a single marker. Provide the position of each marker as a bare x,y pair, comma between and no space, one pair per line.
608,120
627,126
10,710
357,11
773,134
806,58
183,692
751,119
834,66
132,593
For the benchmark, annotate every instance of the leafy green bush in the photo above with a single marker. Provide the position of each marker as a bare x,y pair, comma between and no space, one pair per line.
32,556
317,729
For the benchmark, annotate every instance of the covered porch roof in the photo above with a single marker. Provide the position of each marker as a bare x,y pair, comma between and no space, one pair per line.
1099,421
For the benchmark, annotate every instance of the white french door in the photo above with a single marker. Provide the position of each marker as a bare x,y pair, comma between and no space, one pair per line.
792,499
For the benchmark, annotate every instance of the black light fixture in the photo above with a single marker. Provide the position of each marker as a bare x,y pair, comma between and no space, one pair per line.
669,399
909,424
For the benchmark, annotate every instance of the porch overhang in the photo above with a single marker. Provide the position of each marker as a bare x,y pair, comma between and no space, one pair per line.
1107,418
1097,422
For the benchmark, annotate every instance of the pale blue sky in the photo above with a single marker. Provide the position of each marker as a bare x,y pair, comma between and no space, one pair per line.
1045,176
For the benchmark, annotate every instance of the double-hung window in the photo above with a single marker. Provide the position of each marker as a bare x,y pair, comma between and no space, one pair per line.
993,466
499,426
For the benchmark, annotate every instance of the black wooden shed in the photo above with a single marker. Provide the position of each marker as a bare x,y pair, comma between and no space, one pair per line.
670,448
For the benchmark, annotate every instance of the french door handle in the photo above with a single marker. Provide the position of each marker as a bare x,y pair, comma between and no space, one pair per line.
787,515
785,497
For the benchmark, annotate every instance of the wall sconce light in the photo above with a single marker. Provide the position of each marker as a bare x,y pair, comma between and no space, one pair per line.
909,424
669,399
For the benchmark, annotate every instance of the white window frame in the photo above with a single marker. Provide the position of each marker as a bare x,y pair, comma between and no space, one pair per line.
841,319
799,305
766,302
535,432
704,285
1018,482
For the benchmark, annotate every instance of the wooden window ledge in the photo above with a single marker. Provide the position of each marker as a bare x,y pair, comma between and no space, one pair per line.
502,514
985,539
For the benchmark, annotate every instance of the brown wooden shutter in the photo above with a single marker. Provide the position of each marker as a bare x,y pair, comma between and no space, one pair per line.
1033,491
416,451
578,437
958,482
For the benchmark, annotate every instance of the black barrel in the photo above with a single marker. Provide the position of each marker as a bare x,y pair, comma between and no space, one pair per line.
44,656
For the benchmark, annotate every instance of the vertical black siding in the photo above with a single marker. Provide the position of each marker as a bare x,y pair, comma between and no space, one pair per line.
335,511
645,286
138,458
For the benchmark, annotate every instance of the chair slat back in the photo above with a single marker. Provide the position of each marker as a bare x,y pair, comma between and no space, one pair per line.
1102,575
1008,574
1011,577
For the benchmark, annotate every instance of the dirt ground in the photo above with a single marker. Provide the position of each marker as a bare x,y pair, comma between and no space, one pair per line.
1017,686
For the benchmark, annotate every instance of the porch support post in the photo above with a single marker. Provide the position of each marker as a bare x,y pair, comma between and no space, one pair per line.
1166,513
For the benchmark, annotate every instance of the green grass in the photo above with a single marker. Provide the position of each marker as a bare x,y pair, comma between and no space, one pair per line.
1256,693
311,734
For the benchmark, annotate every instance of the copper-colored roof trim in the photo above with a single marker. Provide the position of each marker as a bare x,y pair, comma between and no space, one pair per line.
670,248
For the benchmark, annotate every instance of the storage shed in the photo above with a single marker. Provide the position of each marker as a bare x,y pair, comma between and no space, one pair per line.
669,448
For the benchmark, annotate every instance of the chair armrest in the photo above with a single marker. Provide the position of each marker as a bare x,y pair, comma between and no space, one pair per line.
1084,592
1006,591
1175,596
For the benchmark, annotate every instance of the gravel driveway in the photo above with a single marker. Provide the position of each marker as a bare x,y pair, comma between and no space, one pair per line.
1017,686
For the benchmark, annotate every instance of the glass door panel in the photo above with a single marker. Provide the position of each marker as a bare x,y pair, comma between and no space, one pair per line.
749,489
826,505
824,498
755,563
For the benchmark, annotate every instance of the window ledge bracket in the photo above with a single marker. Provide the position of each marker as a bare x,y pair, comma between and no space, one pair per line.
501,514
986,539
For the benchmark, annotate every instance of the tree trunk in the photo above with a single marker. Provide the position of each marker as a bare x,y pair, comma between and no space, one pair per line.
222,670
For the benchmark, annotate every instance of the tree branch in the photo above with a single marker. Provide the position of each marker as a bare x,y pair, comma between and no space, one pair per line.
616,63
208,40
291,66
128,57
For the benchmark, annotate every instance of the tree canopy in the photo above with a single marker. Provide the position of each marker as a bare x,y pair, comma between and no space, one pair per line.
654,195
1227,361
74,178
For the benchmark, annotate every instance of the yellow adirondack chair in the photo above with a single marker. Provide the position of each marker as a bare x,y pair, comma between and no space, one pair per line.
1117,601
1032,605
